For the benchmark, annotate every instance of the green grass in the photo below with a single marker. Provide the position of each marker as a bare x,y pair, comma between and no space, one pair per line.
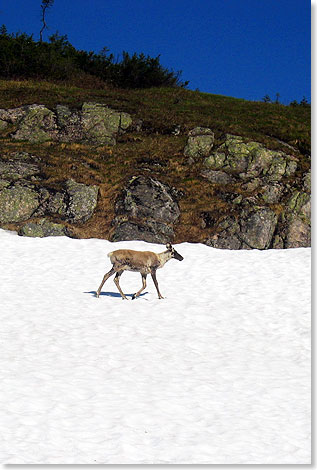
161,109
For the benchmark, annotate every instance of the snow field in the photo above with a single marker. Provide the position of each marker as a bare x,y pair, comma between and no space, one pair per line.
216,373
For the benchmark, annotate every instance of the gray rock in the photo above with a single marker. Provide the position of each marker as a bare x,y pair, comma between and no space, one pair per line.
147,197
101,124
146,210
69,125
64,114
149,231
299,204
37,125
94,124
271,194
225,241
82,200
258,227
13,115
17,203
298,220
307,182
250,160
298,233
3,125
42,228
253,230
56,204
14,170
200,142
217,177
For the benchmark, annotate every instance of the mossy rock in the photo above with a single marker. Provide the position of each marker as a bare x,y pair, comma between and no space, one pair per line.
38,125
250,160
3,125
17,203
299,203
101,124
43,228
14,170
200,142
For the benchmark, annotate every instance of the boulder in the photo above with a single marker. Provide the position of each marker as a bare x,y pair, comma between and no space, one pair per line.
42,228
94,124
148,231
225,241
37,125
248,160
200,142
253,230
146,210
17,203
299,204
217,177
14,170
101,124
23,195
298,233
298,220
69,124
82,200
56,203
13,115
257,228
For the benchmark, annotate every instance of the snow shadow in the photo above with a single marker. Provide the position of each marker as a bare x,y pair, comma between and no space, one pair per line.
112,294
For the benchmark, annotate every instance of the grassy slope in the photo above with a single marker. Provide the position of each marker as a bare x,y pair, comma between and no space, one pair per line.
136,153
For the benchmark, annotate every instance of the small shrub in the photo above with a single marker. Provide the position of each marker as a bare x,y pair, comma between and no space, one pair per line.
22,57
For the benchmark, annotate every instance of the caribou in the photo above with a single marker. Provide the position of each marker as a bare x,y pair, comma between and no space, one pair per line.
144,262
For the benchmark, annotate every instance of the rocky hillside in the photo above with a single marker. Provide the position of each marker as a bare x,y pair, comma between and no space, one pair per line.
154,165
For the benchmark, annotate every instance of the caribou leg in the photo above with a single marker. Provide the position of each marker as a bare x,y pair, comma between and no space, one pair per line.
106,276
142,288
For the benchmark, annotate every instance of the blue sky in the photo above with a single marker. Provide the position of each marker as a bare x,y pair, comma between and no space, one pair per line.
240,48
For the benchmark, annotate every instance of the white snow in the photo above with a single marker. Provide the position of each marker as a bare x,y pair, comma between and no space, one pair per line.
216,373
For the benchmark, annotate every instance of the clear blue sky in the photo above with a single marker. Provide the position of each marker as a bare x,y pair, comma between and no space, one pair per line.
240,48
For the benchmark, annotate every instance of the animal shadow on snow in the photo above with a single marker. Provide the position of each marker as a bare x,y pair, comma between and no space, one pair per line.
112,294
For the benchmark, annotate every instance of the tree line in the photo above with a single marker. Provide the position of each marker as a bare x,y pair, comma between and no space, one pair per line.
22,57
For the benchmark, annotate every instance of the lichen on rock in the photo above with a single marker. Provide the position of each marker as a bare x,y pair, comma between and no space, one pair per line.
82,200
101,124
248,160
42,228
37,125
94,124
17,203
199,143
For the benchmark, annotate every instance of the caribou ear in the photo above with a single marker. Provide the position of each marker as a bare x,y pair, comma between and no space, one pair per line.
168,246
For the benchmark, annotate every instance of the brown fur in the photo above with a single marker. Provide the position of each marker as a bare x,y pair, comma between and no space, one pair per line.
144,262
131,260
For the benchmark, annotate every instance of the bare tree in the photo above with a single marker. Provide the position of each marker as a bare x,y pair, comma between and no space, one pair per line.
44,6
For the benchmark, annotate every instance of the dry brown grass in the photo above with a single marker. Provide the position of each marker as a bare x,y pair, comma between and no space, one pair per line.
154,151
